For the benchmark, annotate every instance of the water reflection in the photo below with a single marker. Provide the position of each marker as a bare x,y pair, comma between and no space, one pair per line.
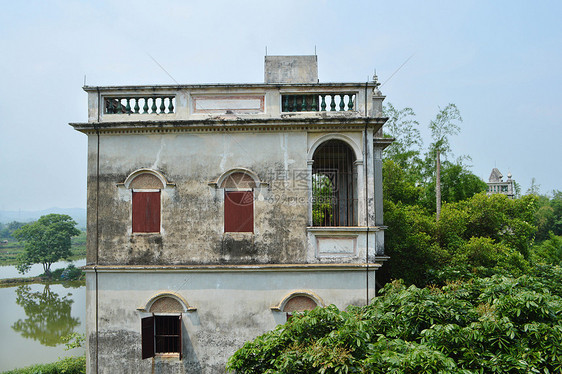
48,315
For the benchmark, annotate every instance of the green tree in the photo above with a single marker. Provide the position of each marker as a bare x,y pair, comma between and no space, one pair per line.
548,216
442,127
556,204
6,230
410,243
457,183
406,148
534,188
398,186
549,251
504,220
322,194
47,240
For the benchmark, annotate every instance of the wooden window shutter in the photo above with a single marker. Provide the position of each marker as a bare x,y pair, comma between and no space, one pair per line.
146,211
239,211
180,337
147,337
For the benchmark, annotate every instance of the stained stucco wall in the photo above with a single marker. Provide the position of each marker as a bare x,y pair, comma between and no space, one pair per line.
192,228
232,308
192,211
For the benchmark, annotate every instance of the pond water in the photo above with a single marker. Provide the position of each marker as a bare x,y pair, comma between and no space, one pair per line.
37,269
34,318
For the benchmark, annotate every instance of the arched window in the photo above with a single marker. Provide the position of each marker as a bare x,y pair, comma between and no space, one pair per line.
334,185
146,186
298,301
162,331
238,201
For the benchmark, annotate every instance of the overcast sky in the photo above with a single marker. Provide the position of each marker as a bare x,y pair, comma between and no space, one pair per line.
500,63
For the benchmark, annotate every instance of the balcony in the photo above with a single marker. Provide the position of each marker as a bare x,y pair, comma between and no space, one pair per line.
233,101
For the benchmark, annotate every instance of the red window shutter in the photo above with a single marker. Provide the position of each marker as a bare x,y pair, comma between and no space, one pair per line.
239,211
147,333
146,211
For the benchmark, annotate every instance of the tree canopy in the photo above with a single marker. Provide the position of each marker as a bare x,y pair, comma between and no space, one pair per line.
6,230
47,240
491,325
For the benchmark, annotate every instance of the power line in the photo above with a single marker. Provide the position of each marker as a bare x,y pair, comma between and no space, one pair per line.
161,67
396,71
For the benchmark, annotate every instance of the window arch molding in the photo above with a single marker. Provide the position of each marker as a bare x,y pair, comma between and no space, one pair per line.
131,177
346,139
291,295
218,183
167,294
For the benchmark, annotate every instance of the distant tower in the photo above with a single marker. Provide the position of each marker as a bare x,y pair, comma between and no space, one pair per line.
497,185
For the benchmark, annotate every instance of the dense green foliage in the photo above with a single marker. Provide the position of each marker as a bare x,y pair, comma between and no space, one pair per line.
471,225
66,365
475,232
47,240
322,192
549,216
485,325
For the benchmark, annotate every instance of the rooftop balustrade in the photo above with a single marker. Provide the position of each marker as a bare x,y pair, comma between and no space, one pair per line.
229,101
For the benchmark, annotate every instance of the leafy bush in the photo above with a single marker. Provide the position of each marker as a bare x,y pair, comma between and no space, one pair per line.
483,325
549,251
69,273
66,365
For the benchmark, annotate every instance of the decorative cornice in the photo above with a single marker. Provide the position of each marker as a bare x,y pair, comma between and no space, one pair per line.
229,268
358,85
383,142
230,125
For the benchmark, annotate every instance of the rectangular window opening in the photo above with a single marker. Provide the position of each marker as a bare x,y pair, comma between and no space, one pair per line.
167,334
161,335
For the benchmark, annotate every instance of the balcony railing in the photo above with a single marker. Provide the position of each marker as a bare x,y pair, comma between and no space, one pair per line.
139,105
332,102
194,102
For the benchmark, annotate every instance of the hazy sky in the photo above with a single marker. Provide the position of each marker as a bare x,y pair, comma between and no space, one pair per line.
499,62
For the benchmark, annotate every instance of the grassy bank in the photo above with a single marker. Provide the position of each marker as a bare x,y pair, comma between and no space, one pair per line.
10,251
70,274
67,365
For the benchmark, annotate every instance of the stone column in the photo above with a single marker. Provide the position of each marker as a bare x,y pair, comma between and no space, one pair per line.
309,164
378,193
359,171
371,180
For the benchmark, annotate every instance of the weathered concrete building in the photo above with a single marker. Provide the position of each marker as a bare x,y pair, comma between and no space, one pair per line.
496,184
214,211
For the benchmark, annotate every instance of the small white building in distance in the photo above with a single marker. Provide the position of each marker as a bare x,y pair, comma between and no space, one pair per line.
496,185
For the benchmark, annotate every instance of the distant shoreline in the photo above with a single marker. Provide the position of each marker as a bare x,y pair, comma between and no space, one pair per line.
15,282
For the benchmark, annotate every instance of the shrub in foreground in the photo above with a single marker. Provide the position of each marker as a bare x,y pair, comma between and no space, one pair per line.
66,365
484,325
